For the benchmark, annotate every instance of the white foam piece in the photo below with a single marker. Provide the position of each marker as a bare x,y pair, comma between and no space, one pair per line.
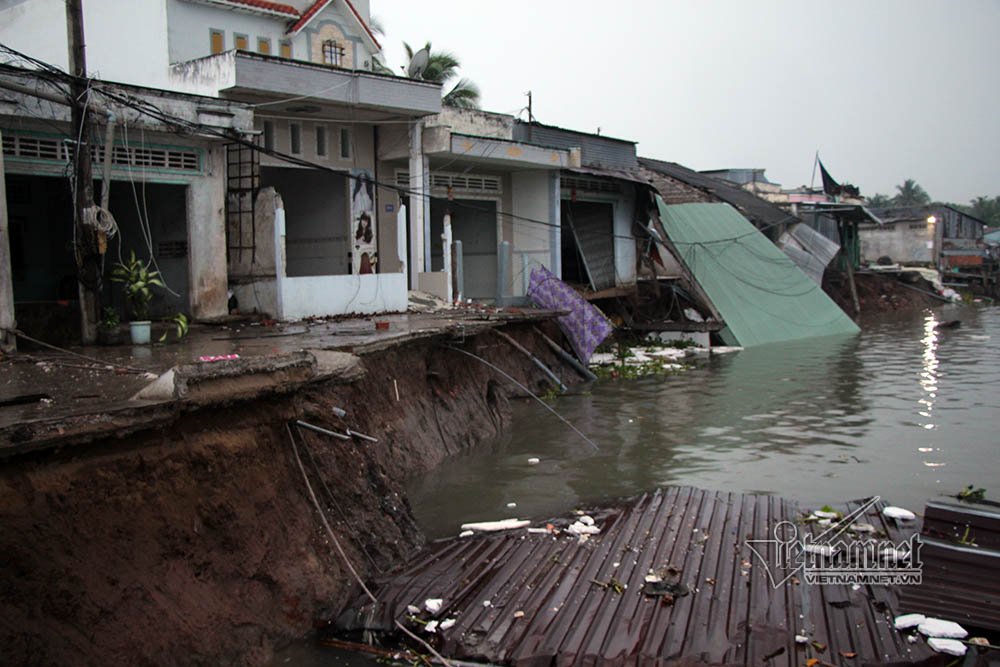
899,513
949,646
907,621
938,627
494,526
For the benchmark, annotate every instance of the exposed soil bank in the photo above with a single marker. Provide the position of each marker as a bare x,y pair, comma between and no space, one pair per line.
197,543
877,293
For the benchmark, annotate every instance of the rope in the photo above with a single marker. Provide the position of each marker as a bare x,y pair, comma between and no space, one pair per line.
322,516
530,393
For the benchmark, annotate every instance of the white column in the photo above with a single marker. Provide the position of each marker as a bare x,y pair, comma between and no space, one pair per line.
279,255
446,255
402,252
8,342
206,222
416,192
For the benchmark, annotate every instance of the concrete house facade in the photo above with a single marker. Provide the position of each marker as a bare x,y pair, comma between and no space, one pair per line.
166,194
937,236
303,223
496,195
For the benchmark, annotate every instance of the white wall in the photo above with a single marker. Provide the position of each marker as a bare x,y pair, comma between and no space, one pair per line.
190,24
128,46
336,295
530,241
625,255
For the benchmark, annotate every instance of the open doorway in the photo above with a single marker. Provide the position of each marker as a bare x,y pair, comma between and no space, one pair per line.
588,247
474,223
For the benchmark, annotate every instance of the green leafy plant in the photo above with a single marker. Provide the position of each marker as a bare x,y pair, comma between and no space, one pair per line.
972,493
110,320
180,322
138,281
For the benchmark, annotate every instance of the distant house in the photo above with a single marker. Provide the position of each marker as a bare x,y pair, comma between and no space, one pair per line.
938,236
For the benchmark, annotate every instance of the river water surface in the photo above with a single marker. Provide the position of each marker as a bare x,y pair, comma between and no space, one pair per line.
906,410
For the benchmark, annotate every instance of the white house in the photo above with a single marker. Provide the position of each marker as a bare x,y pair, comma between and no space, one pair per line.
303,236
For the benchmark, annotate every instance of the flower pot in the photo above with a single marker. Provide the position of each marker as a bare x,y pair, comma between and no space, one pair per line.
109,336
140,332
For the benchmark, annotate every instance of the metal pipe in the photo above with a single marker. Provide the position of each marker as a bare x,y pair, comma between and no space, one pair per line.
324,431
362,436
538,362
577,365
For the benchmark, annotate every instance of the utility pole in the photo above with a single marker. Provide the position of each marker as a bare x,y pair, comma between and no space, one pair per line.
86,248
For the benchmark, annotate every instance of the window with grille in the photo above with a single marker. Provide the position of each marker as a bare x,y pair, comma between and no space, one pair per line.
457,182
286,48
147,157
242,42
264,45
333,53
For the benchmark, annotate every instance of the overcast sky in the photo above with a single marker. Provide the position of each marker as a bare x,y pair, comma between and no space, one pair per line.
884,90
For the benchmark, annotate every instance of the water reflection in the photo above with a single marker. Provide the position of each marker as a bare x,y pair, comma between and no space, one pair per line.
824,419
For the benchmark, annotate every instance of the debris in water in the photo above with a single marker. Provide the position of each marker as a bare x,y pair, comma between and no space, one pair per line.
801,639
212,358
899,513
580,528
587,520
447,623
518,614
431,626
413,609
533,461
433,605
494,526
511,505
467,533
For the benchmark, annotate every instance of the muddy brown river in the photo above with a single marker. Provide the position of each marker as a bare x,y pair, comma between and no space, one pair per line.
907,410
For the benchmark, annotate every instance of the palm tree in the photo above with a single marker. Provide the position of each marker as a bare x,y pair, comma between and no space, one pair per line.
986,209
910,194
441,68
878,201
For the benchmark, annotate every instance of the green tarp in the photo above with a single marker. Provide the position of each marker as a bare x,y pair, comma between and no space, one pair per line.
759,292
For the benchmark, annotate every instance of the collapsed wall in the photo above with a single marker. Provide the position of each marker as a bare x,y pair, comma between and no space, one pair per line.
197,542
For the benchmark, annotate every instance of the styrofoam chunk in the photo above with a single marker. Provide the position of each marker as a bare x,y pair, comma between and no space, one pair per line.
899,513
433,605
447,623
937,627
493,526
907,621
949,646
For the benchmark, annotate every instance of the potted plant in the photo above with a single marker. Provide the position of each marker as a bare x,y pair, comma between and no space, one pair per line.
138,281
108,332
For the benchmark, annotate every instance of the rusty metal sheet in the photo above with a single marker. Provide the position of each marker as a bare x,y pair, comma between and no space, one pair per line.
961,556
539,599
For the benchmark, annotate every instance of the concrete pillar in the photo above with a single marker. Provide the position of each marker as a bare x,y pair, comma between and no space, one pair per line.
206,221
446,255
8,342
416,188
279,255
555,231
402,252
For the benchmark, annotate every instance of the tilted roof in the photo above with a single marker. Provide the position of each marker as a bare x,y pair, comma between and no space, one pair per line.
759,291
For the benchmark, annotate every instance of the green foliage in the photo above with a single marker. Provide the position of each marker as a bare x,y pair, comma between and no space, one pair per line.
878,201
138,281
180,321
972,493
986,209
909,193
110,319
442,67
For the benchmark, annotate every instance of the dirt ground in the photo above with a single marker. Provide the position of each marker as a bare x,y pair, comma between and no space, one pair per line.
877,293
198,544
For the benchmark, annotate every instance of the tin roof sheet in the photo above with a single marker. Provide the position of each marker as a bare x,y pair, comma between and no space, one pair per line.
533,599
759,291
